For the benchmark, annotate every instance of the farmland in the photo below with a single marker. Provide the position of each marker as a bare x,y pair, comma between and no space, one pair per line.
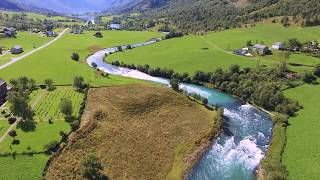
25,39
54,61
48,106
139,129
191,53
301,155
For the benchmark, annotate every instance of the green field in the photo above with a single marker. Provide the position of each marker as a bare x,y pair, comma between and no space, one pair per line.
37,139
54,61
22,167
25,39
191,53
301,155
3,126
48,106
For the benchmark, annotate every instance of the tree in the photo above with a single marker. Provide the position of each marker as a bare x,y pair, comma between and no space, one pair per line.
308,77
66,107
78,82
75,56
293,44
13,134
317,70
19,105
120,48
285,21
92,167
52,146
249,43
234,68
174,83
49,84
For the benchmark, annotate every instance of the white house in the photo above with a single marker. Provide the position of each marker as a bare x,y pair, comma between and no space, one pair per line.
278,46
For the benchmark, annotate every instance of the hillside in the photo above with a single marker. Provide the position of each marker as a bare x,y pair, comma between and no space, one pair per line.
203,15
139,132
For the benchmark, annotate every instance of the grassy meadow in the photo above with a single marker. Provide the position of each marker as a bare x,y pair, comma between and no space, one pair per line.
25,39
55,61
22,167
301,155
191,53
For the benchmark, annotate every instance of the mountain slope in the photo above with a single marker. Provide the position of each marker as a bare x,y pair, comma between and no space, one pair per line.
63,6
203,15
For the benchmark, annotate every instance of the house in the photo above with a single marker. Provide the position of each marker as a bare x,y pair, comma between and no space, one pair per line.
241,52
50,33
35,30
115,26
76,31
10,32
98,34
261,49
16,50
3,91
278,46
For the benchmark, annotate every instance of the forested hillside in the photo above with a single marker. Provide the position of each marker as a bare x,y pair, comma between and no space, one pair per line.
203,15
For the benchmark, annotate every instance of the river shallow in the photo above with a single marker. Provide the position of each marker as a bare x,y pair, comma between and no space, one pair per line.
245,137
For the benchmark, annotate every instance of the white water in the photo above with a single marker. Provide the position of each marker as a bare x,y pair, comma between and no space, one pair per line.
246,135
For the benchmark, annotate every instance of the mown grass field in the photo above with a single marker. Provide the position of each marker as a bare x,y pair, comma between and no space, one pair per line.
48,105
25,39
301,155
191,53
3,126
43,134
22,167
55,61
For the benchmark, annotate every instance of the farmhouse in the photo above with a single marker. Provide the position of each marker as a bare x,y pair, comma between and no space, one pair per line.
98,34
278,46
114,26
261,49
3,91
76,31
10,32
50,33
35,30
16,49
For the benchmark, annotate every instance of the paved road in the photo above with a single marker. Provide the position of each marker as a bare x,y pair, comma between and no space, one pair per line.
33,51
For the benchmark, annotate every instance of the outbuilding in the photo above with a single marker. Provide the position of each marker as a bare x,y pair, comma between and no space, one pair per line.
9,32
16,49
98,34
278,46
262,49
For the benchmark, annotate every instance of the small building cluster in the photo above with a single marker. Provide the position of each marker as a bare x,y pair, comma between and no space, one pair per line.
9,32
259,49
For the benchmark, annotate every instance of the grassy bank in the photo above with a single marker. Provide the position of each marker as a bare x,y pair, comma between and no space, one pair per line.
148,132
271,166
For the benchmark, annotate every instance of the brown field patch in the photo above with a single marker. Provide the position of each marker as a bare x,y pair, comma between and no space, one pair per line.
138,132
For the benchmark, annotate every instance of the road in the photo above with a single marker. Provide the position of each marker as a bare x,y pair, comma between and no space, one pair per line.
14,60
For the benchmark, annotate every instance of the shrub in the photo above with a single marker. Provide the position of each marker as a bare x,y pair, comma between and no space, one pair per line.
12,120
92,167
75,125
75,56
7,115
317,70
93,64
308,77
3,111
52,146
174,83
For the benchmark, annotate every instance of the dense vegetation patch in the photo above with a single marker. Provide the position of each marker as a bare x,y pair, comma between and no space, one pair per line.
137,132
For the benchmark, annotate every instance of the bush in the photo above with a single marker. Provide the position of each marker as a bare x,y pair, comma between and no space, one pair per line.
12,120
52,146
3,111
308,77
93,64
7,115
174,83
75,56
317,70
75,125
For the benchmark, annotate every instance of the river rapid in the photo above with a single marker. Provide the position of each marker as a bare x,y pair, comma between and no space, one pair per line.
247,131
